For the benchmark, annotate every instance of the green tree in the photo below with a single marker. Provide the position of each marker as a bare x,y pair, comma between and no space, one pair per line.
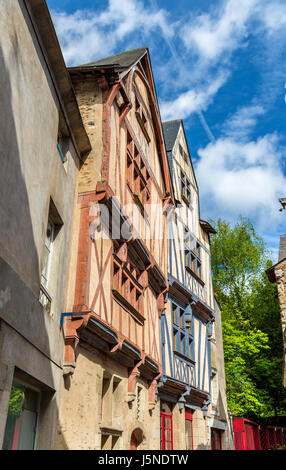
250,320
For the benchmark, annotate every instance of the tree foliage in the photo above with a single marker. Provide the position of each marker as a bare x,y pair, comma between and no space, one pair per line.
250,320
16,401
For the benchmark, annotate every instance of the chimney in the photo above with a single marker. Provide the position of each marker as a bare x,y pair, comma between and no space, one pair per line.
282,248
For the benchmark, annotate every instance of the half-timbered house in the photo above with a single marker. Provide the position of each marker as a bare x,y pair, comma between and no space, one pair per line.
187,321
120,273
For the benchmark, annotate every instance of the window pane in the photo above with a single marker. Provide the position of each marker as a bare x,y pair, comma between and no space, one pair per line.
189,436
175,339
181,318
21,420
182,349
174,313
44,279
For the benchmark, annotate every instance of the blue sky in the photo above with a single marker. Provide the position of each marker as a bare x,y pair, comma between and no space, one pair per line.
221,66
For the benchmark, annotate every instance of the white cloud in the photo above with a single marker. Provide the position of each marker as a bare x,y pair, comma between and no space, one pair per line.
87,35
241,123
242,178
274,16
219,33
192,100
210,40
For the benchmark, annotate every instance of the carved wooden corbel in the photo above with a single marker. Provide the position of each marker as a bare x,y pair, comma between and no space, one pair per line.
73,326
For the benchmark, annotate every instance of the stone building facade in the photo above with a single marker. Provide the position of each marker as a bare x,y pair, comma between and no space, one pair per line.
120,259
277,273
43,143
220,432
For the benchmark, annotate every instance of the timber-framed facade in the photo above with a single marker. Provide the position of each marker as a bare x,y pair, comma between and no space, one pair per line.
121,267
185,387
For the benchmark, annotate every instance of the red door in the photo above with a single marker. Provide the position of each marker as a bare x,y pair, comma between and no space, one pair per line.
166,431
189,430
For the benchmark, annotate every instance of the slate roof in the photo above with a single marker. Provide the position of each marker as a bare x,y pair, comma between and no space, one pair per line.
123,59
170,130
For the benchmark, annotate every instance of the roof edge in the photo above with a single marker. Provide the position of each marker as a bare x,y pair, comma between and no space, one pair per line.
97,64
271,271
207,227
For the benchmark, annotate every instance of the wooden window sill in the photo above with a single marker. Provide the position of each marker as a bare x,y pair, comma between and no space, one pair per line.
195,275
110,431
128,307
139,204
46,293
182,356
186,201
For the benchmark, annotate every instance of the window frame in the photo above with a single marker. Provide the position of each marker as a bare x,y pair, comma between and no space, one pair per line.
189,418
166,418
133,290
49,261
185,188
21,384
142,119
137,175
193,252
182,331
62,147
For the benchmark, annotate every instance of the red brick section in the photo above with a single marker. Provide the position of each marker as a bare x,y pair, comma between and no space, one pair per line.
84,251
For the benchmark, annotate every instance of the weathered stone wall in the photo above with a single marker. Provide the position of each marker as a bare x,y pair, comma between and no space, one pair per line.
280,274
218,416
32,174
85,417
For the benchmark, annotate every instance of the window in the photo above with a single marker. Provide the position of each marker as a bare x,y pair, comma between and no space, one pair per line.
111,412
126,282
21,424
45,297
62,146
185,188
142,120
183,153
189,430
47,253
192,254
106,383
182,331
50,259
138,178
166,426
214,392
